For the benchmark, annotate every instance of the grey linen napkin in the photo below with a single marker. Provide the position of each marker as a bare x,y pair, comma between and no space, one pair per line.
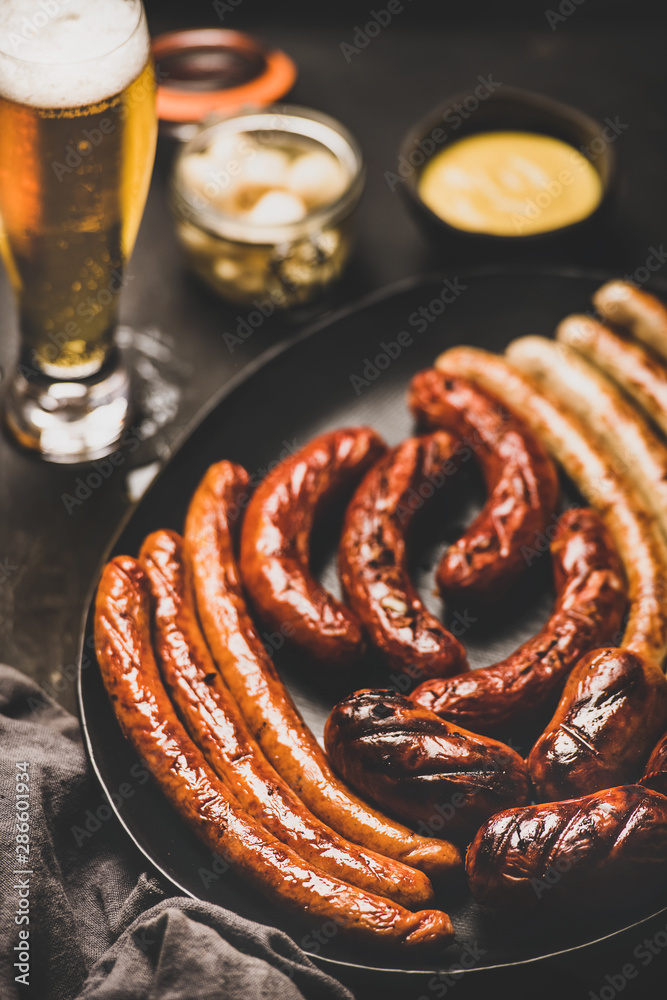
73,898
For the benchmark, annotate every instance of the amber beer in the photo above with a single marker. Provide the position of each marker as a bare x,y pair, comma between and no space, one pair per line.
77,140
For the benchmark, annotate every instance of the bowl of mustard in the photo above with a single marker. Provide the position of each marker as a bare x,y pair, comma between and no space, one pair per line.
500,168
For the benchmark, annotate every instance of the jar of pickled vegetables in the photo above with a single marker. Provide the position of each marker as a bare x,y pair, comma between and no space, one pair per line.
265,202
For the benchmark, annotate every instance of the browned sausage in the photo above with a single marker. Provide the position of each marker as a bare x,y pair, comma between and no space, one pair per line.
612,711
615,737
591,597
216,725
373,561
592,853
148,719
638,372
644,315
655,772
431,773
276,540
521,481
634,449
265,703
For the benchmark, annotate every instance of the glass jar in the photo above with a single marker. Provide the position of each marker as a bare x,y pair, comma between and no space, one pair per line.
265,203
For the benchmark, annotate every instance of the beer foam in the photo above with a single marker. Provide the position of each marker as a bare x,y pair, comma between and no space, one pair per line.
68,53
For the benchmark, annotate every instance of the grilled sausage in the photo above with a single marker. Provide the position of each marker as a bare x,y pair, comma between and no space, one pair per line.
641,313
521,481
655,772
265,703
637,539
635,450
216,725
577,856
615,735
431,773
276,539
612,711
638,372
373,561
148,719
591,598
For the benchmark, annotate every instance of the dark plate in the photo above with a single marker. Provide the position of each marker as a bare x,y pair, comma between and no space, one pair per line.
309,385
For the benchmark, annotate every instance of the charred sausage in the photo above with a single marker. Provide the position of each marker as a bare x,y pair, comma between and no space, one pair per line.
591,597
216,725
431,773
265,703
615,736
276,542
636,537
148,719
521,481
612,711
373,560
577,856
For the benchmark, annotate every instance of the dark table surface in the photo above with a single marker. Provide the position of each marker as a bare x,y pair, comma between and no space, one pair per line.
608,58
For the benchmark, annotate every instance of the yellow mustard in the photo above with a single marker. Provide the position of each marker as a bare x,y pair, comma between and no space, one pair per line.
510,184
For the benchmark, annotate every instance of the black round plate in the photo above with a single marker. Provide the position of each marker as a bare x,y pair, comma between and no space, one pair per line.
352,369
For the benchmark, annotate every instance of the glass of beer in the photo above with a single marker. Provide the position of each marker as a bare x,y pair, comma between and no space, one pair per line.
77,142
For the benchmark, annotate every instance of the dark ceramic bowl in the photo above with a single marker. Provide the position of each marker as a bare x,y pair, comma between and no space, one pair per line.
509,108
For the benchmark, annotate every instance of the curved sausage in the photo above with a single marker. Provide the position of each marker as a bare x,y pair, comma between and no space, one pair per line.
276,539
373,562
635,450
577,856
644,554
521,482
637,539
431,773
591,598
265,703
216,725
147,717
612,711
638,372
641,313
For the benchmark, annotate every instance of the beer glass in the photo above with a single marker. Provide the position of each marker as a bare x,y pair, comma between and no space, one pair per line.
77,141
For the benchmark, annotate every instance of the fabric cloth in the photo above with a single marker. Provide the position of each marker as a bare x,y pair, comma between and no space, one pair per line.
80,915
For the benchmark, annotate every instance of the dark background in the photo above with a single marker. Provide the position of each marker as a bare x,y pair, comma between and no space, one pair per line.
608,58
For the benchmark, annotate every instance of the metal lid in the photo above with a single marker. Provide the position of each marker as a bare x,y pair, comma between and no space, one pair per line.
203,71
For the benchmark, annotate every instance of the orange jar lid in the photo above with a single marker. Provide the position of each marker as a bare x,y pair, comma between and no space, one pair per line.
201,71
